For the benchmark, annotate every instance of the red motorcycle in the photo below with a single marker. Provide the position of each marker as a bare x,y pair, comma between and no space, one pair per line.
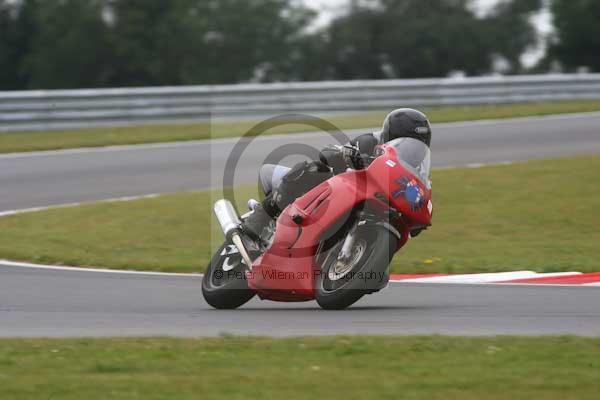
334,244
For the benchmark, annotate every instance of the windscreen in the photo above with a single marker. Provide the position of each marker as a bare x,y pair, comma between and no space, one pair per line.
414,155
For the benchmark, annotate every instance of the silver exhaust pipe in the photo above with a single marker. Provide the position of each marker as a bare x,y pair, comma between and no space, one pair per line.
227,217
230,224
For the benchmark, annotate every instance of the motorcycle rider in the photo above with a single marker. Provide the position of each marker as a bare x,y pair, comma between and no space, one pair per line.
283,185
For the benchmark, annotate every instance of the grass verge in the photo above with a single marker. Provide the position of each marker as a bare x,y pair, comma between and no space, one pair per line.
34,141
539,215
334,368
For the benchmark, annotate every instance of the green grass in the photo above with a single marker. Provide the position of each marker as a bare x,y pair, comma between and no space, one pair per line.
362,368
539,215
32,141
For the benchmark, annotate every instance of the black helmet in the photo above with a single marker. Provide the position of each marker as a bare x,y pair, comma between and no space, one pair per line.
406,122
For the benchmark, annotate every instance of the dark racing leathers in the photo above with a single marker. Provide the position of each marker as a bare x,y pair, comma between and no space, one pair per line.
304,176
332,161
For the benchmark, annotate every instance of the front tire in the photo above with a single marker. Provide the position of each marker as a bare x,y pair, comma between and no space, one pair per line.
224,285
338,287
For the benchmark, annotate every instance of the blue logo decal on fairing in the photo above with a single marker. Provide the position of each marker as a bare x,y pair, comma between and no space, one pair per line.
412,192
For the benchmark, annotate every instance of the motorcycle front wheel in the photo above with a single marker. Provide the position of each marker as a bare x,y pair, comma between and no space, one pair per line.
224,285
342,282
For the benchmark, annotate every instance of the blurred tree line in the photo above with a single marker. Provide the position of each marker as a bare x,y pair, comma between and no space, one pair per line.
103,43
577,40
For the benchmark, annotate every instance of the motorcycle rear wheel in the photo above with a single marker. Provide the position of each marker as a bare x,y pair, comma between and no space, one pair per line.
226,289
337,288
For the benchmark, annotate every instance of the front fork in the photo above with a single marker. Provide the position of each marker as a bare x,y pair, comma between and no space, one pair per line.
346,251
362,219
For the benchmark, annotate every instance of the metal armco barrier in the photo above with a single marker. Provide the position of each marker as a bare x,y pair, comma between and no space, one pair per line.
59,109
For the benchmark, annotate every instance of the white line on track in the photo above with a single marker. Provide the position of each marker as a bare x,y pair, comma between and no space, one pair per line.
9,213
58,206
96,270
489,278
167,145
149,146
471,280
513,284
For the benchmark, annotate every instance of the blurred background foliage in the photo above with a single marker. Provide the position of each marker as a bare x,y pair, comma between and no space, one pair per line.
116,43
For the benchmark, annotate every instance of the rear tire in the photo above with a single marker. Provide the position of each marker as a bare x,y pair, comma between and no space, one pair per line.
226,290
335,293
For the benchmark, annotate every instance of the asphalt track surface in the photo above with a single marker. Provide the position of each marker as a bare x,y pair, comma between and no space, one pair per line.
50,178
38,302
63,303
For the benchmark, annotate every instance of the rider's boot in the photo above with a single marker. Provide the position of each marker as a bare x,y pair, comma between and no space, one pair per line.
261,217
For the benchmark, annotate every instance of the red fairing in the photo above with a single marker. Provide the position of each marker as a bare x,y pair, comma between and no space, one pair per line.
406,192
288,270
